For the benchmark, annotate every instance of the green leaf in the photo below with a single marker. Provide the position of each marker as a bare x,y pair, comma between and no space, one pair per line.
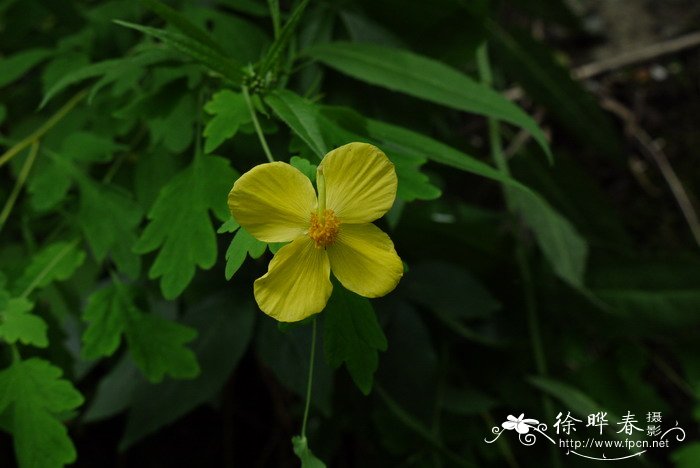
56,262
424,78
229,226
157,345
196,50
286,354
549,83
301,116
278,46
89,147
242,245
302,450
565,249
17,324
15,66
180,224
37,394
108,218
175,128
303,164
181,22
405,141
352,335
224,334
230,112
110,70
572,398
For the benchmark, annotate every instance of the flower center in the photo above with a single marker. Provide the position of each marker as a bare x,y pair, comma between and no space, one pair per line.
324,229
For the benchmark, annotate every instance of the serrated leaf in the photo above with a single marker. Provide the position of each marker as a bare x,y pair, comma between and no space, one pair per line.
17,324
105,312
14,66
424,78
180,224
229,226
202,53
352,335
157,345
302,450
108,218
301,116
242,245
37,394
303,164
175,129
56,262
223,337
230,112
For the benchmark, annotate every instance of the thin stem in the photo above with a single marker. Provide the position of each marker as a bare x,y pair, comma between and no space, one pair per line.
39,132
21,179
521,258
274,6
312,358
256,124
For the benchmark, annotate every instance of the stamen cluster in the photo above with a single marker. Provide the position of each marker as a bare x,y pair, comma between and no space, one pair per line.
324,229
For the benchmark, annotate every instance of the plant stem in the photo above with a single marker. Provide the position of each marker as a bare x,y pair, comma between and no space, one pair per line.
310,380
274,6
520,255
39,132
21,179
256,124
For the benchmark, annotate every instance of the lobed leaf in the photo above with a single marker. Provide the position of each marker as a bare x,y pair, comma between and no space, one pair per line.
37,394
180,226
352,335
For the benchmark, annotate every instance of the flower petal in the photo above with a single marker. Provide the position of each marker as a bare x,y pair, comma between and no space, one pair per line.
297,283
364,260
360,182
273,202
508,425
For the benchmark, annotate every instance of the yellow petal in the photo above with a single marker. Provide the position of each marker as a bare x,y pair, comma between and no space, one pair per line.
273,202
360,182
297,283
364,260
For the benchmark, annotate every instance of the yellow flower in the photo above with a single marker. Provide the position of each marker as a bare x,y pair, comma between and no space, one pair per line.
275,202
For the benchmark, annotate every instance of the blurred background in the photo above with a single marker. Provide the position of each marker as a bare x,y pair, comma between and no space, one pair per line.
586,301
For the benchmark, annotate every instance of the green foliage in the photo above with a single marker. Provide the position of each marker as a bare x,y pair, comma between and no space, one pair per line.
229,112
156,344
180,225
37,395
17,324
547,280
352,335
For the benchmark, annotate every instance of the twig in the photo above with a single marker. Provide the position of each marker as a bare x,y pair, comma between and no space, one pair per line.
21,179
39,132
652,150
643,54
